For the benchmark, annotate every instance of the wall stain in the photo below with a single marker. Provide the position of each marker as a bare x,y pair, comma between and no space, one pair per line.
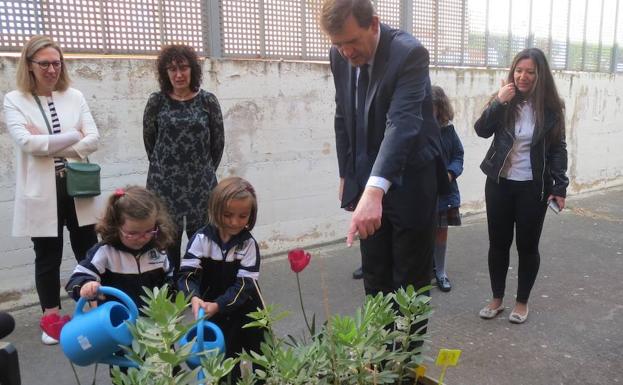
85,71
593,185
241,122
7,296
326,148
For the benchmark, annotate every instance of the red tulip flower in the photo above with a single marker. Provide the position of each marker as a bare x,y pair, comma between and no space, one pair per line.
299,259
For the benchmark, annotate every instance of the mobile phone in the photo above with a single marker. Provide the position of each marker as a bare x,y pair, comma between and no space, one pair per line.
553,205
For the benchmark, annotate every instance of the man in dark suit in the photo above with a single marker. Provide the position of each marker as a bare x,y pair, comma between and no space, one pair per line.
387,143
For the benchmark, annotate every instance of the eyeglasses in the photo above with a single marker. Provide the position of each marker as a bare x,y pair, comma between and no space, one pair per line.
140,234
180,68
44,65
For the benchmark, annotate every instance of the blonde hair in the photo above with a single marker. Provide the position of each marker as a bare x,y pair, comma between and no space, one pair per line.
229,189
26,81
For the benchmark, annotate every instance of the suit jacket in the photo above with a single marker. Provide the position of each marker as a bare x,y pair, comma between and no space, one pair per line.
402,135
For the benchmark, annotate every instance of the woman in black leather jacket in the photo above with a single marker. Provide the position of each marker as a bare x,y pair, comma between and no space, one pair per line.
526,168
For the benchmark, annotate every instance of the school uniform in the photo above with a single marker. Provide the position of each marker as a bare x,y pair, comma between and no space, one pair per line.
225,273
122,268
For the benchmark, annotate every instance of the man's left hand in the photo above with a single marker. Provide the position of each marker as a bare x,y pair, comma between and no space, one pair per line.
367,216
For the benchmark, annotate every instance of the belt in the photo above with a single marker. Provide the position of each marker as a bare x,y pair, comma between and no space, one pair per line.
61,173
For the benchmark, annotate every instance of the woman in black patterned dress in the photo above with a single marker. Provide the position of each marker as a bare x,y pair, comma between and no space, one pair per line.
184,139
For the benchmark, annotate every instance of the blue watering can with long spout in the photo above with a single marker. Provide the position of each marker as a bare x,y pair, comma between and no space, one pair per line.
210,340
94,336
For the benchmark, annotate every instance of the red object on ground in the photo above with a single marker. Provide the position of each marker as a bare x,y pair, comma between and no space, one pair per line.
52,324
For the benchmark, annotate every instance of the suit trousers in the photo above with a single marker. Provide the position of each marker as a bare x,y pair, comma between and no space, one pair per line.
395,257
513,205
49,250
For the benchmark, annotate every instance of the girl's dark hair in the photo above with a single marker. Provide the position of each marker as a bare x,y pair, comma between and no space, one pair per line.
445,113
136,203
544,95
178,54
227,190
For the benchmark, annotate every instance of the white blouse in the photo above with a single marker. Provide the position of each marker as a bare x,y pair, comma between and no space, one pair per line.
517,165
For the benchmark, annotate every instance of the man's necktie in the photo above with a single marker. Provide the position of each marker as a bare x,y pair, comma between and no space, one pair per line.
360,128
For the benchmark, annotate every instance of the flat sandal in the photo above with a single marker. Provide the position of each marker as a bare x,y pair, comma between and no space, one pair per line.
488,313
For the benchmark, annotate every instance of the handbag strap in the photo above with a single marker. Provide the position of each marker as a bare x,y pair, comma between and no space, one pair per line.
45,117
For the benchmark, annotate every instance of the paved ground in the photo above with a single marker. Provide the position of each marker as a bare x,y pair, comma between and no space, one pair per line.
573,335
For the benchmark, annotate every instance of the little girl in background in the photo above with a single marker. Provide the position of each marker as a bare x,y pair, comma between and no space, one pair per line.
222,263
135,232
448,204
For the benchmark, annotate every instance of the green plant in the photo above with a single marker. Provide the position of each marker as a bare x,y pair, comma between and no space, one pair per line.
381,343
153,349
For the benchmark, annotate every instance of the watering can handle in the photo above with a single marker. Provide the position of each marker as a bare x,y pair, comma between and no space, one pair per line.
127,301
200,338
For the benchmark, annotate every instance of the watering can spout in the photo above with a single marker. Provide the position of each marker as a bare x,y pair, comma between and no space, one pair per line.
119,361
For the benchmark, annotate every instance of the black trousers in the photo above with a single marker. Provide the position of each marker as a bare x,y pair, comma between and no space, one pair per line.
514,205
395,257
238,338
49,250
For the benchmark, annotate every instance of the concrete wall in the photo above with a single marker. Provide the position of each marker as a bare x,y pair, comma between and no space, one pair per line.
279,135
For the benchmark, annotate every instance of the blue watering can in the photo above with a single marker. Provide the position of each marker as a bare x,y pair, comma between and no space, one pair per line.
209,338
95,336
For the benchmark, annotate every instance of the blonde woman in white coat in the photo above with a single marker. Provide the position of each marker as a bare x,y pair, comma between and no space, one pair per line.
42,206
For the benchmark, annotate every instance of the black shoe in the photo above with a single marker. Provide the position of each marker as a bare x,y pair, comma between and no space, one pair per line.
358,274
443,284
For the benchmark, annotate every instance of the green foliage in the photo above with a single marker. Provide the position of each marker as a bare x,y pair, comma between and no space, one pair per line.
154,351
378,344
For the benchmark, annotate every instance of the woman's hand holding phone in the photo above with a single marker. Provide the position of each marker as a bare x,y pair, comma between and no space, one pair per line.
556,203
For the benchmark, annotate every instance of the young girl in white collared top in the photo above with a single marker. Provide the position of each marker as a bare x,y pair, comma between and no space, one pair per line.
222,265
135,230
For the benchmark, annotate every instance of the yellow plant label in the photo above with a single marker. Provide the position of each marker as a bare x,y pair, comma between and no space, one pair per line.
448,357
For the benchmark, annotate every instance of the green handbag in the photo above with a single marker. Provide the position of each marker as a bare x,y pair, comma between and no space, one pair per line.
83,179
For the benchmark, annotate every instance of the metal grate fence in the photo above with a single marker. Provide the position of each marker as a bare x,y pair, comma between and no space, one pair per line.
574,34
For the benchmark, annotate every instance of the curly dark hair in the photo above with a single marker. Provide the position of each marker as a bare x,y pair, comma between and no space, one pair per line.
177,54
137,203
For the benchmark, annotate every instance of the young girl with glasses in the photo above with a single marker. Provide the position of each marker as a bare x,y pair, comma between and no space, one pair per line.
135,232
